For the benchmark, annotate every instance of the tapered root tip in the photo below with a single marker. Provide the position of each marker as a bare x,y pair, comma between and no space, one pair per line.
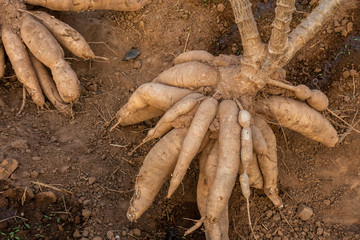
131,214
116,124
170,192
272,194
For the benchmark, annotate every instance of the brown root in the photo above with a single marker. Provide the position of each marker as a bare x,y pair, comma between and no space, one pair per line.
22,65
189,75
268,162
79,6
301,118
157,167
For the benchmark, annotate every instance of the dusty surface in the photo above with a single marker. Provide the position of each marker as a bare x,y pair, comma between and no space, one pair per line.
81,156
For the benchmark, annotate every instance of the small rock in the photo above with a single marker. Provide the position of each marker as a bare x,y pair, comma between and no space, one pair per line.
110,235
97,238
347,99
84,238
36,158
92,180
319,231
327,202
76,234
124,233
137,64
45,197
86,213
7,167
220,7
304,212
86,202
20,144
137,232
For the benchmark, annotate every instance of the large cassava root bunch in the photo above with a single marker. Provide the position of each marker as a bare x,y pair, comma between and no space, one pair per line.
32,40
210,106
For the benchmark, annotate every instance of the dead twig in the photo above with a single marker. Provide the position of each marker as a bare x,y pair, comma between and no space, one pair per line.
52,187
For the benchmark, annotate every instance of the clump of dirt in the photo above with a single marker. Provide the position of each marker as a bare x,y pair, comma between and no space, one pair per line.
81,156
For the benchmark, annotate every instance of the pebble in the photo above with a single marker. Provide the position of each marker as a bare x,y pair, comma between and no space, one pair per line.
86,213
327,202
110,235
20,144
220,7
97,238
45,197
319,231
36,158
304,212
92,180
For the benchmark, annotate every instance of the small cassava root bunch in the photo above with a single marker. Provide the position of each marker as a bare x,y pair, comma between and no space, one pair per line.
210,107
33,39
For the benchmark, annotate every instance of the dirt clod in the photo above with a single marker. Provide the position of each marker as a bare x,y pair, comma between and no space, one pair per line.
7,167
45,197
304,212
20,144
86,213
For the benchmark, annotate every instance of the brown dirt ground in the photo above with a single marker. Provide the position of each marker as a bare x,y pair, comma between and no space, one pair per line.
80,155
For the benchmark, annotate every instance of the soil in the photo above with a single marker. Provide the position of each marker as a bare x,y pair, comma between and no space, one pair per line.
93,174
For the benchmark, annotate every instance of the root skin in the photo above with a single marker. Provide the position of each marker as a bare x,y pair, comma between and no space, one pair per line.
301,118
47,50
157,96
197,55
259,143
82,5
254,173
189,75
228,162
159,163
268,162
22,65
66,35
199,126
182,107
49,88
2,60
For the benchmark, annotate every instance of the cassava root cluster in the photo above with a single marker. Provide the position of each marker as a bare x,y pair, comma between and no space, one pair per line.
32,39
228,123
